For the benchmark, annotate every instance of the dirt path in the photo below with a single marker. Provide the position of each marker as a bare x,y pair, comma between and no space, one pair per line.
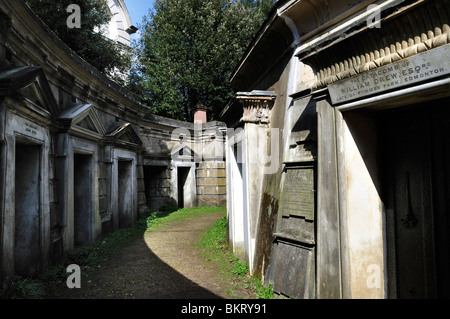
163,264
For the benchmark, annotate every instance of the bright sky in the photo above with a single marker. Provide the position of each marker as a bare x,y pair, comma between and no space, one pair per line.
138,9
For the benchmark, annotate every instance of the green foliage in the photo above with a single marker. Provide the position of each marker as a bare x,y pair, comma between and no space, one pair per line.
94,47
188,51
24,288
240,268
214,238
91,256
213,243
172,214
263,292
55,274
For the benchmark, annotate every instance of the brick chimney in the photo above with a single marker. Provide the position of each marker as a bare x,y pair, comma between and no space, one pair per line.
200,116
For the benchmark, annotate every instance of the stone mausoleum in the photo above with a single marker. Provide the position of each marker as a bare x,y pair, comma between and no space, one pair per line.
346,105
79,155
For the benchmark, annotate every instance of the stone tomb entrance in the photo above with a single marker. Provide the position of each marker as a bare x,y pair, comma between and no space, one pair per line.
183,188
123,155
184,183
77,173
83,192
27,209
125,192
157,185
124,195
397,197
25,146
416,189
26,200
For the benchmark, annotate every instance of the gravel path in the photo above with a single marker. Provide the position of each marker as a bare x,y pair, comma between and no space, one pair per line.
164,264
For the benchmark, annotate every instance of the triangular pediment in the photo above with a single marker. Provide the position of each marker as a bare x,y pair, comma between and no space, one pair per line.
182,152
83,119
29,83
125,133
127,137
33,93
88,124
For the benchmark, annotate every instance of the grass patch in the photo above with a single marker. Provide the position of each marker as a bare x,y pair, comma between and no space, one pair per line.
167,215
263,292
24,288
214,247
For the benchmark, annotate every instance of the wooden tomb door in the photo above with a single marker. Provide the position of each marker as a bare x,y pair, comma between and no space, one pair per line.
416,171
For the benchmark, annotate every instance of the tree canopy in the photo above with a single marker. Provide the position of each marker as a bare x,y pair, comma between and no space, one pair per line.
88,41
188,50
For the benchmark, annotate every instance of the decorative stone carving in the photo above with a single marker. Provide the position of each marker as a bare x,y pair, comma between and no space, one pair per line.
249,107
378,47
256,106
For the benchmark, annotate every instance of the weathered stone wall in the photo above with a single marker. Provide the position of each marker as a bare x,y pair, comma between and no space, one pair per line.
170,144
142,201
211,184
54,100
104,162
103,196
57,246
323,242
157,186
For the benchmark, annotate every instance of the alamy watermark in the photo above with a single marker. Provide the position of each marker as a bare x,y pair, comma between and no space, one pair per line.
374,18
74,279
374,276
74,19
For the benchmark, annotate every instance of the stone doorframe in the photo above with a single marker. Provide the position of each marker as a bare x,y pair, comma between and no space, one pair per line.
118,155
67,147
19,129
191,199
352,226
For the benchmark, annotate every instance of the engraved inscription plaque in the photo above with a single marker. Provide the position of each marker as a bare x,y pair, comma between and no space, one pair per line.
298,197
418,68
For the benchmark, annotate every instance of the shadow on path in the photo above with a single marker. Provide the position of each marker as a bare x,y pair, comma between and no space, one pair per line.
138,272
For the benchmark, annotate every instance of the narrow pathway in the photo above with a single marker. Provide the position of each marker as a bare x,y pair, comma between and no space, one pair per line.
163,264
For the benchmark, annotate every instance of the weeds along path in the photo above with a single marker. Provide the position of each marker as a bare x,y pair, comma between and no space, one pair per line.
163,263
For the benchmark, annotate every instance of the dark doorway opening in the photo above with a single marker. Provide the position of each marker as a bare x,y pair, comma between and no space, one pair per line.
157,186
83,192
27,210
416,169
125,193
182,173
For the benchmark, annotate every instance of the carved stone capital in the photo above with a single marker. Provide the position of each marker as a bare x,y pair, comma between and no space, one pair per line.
256,106
249,107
